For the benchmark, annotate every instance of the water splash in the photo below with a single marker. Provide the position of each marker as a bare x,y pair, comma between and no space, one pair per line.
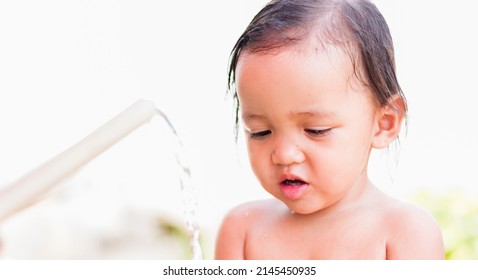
188,194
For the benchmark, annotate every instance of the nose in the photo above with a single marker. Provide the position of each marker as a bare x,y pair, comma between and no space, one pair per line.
287,152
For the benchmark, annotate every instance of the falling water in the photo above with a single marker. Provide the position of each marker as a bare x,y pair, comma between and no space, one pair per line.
187,191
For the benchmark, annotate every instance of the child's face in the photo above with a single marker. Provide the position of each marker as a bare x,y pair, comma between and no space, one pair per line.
309,126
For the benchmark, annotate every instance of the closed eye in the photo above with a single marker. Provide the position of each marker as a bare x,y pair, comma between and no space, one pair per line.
317,132
259,135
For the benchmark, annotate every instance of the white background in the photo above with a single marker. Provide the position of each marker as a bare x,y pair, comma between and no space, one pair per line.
67,67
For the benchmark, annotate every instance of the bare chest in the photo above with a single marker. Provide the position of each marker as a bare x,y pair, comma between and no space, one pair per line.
335,240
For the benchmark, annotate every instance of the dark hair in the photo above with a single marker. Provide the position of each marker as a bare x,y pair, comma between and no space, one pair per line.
356,26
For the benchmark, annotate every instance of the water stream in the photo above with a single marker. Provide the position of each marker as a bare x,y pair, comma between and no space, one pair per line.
188,195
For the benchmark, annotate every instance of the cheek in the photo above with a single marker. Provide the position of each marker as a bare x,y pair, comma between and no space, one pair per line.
344,156
258,159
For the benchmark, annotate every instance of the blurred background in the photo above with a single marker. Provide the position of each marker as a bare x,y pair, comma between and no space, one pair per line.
67,67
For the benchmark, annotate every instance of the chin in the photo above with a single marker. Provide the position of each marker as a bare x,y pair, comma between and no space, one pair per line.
302,209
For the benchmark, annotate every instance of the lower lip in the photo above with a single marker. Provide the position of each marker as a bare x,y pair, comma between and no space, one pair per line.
293,192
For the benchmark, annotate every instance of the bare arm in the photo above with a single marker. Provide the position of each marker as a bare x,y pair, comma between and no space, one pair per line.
231,237
414,235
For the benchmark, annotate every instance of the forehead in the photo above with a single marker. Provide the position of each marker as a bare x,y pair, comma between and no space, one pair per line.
299,68
296,80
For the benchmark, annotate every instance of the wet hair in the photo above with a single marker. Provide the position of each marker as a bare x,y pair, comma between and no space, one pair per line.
355,26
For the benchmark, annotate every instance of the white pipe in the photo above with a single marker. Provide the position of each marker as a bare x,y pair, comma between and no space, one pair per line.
26,190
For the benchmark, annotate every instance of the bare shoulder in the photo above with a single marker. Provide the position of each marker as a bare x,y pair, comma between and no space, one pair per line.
413,232
233,231
252,212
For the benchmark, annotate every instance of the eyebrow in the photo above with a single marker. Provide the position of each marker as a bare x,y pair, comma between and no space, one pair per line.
252,116
314,113
307,113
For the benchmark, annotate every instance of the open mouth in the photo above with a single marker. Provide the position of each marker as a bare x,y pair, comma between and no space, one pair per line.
293,183
293,189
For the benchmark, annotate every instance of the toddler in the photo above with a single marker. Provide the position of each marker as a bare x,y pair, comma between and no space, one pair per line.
316,91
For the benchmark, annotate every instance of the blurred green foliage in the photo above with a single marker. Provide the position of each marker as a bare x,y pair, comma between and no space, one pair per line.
175,232
457,213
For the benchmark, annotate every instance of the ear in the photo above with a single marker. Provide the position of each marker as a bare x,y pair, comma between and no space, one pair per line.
389,122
